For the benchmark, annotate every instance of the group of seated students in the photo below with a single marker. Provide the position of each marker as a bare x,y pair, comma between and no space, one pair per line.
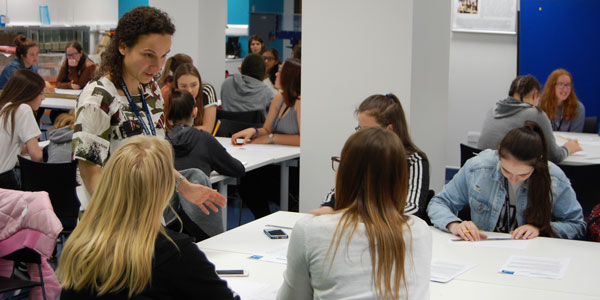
367,241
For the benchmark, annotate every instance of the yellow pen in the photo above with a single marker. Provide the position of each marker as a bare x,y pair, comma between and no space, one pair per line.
468,231
217,127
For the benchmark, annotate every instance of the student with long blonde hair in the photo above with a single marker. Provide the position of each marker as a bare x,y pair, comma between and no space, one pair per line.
366,248
120,250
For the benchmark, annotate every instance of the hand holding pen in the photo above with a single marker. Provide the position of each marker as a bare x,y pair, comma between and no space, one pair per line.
466,230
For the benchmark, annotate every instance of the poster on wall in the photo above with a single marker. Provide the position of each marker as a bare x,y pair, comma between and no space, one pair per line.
485,16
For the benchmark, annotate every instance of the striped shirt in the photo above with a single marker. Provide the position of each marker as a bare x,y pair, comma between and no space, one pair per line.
418,185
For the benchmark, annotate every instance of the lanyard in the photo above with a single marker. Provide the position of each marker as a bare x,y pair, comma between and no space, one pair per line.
137,112
506,207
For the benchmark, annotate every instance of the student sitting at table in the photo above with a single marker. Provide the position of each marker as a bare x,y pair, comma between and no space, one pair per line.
77,69
120,250
367,248
188,78
512,112
560,103
246,91
281,127
197,148
26,52
514,190
386,111
21,97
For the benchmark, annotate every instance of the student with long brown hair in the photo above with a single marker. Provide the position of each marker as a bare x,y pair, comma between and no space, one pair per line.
514,189
187,77
77,69
21,97
560,103
120,250
367,248
386,111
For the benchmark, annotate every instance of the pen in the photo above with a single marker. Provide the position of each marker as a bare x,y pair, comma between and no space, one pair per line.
277,226
217,127
488,239
468,231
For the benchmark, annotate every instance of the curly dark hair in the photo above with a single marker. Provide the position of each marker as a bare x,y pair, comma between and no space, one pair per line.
139,21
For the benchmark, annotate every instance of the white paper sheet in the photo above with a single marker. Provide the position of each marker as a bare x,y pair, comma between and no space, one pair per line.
505,244
533,266
444,271
67,92
276,255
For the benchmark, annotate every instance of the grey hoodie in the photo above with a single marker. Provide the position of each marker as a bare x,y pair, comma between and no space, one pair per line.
512,113
244,93
59,148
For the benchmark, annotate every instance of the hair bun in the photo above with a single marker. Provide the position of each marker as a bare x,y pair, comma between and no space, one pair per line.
20,39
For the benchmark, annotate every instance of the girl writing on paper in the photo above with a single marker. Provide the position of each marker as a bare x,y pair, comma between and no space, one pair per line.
367,248
513,189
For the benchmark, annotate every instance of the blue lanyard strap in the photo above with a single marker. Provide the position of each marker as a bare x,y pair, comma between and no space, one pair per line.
137,112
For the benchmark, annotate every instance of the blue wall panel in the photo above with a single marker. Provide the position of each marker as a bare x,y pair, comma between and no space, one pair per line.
563,34
127,5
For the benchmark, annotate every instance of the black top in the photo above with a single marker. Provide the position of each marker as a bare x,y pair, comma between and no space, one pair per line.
199,149
176,274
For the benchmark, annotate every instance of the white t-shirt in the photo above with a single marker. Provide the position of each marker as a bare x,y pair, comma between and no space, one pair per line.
308,274
26,128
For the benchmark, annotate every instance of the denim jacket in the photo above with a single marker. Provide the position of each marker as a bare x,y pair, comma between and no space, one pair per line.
13,66
480,184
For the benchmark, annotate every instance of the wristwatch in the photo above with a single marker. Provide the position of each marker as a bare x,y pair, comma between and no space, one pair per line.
271,138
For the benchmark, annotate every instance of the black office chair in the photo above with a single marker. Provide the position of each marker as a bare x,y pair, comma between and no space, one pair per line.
60,183
423,210
467,152
13,283
230,127
584,181
252,117
590,125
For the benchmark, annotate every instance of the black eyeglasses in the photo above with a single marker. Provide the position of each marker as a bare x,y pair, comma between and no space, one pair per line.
335,162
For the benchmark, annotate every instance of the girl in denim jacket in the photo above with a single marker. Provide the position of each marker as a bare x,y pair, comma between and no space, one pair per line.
514,190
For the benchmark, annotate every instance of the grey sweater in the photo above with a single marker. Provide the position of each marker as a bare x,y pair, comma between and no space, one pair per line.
512,113
244,93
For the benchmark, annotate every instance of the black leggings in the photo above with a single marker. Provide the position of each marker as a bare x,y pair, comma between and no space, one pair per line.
262,185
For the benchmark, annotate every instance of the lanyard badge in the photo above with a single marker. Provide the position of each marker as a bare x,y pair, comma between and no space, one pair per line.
137,112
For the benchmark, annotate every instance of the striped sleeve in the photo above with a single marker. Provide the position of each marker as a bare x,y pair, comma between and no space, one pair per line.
415,182
209,96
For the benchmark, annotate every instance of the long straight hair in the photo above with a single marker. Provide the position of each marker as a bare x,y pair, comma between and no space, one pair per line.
371,187
528,145
111,249
549,98
22,87
289,79
189,69
386,109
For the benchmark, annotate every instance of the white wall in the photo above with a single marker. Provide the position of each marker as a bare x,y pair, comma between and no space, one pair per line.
349,51
482,66
69,12
429,99
200,33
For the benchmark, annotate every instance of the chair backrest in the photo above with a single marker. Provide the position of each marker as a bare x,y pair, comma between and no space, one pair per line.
230,127
467,152
423,210
25,255
253,116
584,182
590,125
60,183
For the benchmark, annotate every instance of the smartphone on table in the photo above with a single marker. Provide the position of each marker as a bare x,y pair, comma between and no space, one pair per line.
276,234
232,273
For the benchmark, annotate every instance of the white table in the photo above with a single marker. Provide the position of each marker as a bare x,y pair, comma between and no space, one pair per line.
58,103
254,157
230,250
590,142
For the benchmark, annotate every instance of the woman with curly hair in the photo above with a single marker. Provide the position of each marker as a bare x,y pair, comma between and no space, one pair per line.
125,101
560,103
